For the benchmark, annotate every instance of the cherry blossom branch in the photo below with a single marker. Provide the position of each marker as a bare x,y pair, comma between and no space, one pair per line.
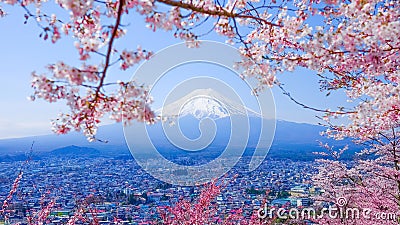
80,215
110,47
16,182
309,107
220,12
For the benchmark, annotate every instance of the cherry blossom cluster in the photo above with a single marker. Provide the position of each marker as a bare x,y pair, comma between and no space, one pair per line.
205,211
74,76
131,102
10,195
202,212
369,185
130,58
41,216
82,211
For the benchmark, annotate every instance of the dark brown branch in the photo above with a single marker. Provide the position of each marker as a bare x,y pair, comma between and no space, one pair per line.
110,47
222,12
309,107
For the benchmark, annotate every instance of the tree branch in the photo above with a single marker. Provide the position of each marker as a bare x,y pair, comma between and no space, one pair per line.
110,47
220,12
311,108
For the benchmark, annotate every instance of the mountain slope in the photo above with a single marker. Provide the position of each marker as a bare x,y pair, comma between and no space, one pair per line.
231,122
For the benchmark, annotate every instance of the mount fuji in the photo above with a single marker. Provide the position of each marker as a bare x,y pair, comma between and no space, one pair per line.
202,112
203,103
206,118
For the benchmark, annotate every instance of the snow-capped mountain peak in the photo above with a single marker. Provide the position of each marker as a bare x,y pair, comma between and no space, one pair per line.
204,106
203,103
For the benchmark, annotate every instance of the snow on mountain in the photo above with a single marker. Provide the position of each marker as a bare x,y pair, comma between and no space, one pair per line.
203,103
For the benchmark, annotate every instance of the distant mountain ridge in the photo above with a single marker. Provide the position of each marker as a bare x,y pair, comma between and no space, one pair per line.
75,151
191,110
286,133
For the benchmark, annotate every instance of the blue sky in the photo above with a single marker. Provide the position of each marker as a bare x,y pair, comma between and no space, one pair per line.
23,52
